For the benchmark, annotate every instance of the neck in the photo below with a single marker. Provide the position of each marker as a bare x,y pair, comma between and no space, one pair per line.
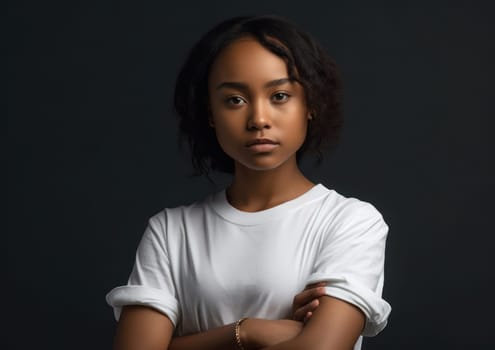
255,190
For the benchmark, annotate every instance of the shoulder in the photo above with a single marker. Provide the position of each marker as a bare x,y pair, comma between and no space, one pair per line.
343,214
345,208
173,216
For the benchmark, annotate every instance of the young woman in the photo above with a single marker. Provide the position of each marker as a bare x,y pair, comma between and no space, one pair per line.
274,261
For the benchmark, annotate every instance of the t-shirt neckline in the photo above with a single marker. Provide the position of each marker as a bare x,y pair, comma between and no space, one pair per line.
222,207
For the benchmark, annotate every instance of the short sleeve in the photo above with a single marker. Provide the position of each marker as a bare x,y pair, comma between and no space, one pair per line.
150,282
351,260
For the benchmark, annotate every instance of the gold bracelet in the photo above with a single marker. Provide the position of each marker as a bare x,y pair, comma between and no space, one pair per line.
237,330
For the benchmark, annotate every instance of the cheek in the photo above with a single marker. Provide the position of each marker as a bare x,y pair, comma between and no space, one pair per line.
297,126
227,135
302,133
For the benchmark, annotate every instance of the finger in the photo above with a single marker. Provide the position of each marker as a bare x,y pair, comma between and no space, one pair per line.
315,285
307,317
301,312
306,296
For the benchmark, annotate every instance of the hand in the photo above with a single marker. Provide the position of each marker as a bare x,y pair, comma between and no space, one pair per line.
307,301
259,333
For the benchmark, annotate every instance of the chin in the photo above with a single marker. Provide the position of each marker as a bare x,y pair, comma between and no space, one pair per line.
261,165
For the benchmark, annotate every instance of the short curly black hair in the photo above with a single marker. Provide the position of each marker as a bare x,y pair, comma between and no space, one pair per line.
307,63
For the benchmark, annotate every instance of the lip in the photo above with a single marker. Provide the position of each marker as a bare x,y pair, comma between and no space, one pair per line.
262,145
261,142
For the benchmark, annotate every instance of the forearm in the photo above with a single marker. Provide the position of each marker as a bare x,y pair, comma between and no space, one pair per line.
222,338
304,342
336,325
298,344
255,333
288,345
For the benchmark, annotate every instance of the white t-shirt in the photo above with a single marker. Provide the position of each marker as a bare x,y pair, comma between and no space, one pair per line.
208,264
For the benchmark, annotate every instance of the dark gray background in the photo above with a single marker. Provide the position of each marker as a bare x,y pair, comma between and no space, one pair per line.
92,154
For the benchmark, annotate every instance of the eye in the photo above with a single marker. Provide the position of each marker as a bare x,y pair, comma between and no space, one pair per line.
235,101
280,97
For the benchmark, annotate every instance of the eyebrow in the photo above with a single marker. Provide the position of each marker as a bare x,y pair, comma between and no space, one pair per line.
243,86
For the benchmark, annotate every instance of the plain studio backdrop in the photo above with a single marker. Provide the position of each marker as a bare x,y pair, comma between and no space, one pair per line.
92,141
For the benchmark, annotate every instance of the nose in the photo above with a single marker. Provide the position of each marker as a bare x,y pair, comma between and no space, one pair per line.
259,117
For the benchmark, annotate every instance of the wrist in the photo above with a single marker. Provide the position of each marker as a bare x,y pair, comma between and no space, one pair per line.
240,334
251,333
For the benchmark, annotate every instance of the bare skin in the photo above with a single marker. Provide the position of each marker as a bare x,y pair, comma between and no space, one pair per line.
252,100
143,327
307,301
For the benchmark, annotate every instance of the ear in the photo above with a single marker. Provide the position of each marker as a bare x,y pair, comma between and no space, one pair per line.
311,114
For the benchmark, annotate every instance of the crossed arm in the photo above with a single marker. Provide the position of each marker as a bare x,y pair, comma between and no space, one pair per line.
332,324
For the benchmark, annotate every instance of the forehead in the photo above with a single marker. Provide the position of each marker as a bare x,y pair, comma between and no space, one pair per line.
246,60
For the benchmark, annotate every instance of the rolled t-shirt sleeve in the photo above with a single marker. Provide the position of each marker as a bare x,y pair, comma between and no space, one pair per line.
351,260
150,282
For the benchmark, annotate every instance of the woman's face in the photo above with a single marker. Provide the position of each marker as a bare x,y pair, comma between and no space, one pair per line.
260,117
